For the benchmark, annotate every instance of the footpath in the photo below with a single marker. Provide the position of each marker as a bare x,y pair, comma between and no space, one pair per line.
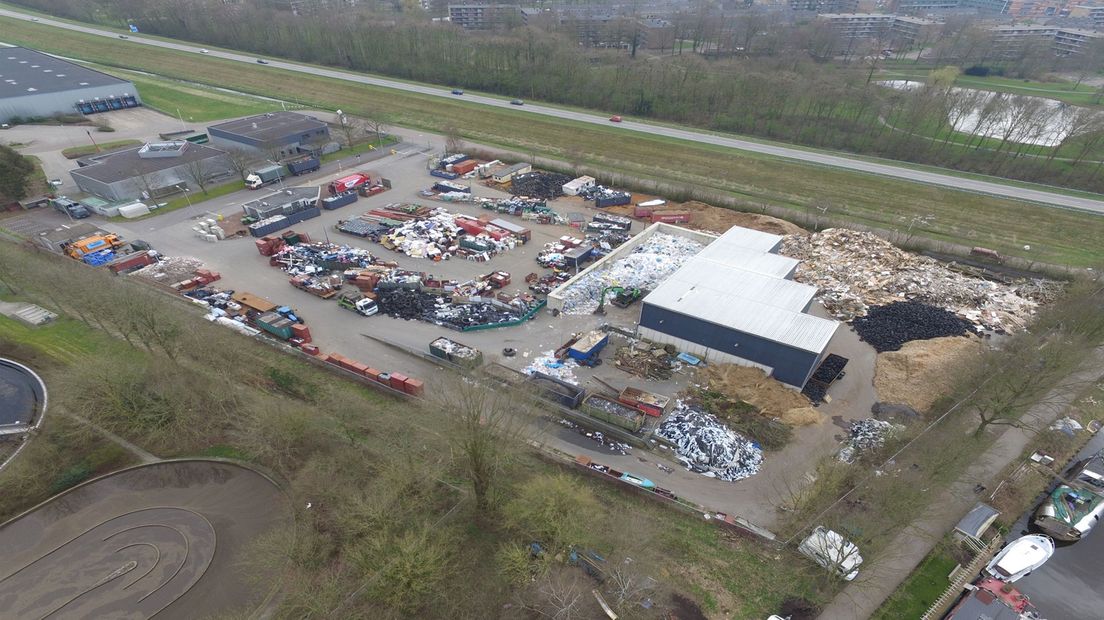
862,597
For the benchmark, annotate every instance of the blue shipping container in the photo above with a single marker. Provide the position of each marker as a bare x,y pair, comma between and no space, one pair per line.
269,226
305,214
338,201
444,174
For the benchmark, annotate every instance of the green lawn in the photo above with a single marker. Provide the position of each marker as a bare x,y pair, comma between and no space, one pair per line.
1069,92
193,103
920,590
74,152
64,340
194,198
1056,236
356,149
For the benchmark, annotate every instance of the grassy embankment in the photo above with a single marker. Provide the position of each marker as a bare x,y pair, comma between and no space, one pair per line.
1056,236
74,152
1062,90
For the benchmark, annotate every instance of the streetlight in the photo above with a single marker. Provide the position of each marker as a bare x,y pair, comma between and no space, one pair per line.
279,179
187,197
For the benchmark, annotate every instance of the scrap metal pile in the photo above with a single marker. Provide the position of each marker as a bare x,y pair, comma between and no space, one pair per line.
887,328
406,303
539,184
438,236
548,364
706,446
319,257
856,270
648,360
650,263
865,436
616,447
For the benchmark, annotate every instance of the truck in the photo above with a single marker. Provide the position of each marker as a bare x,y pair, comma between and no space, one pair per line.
319,287
264,176
460,354
304,166
350,183
586,349
99,245
72,208
359,303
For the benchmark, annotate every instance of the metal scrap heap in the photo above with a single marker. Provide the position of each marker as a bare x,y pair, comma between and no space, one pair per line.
409,303
650,263
704,445
856,270
318,257
865,436
539,184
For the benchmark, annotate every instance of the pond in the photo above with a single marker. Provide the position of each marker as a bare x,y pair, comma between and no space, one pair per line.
1023,118
22,394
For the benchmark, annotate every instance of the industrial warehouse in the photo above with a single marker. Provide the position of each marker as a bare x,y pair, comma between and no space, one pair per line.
37,85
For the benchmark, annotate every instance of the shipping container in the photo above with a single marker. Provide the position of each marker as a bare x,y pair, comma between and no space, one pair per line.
651,404
372,374
302,332
275,324
303,166
415,387
613,200
338,201
305,214
455,352
613,412
670,217
397,381
556,390
444,174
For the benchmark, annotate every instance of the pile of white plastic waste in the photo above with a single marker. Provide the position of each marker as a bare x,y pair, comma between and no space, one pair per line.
705,445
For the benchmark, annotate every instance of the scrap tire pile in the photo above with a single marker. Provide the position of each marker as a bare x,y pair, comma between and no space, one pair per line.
539,184
887,328
705,445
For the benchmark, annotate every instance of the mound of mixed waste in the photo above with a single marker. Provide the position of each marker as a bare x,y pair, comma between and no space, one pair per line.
705,445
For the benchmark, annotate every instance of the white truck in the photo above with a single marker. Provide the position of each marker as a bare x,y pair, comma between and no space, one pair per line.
361,304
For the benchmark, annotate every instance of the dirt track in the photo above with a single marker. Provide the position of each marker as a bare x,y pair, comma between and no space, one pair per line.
160,539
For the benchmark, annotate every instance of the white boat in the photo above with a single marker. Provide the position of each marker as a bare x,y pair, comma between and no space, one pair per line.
1021,556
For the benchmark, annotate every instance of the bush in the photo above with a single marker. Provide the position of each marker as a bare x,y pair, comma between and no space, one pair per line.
71,477
553,509
977,71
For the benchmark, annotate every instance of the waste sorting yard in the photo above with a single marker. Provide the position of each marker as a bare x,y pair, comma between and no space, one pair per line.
746,376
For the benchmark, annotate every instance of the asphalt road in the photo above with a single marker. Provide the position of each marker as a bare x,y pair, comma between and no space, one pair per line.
1070,586
994,188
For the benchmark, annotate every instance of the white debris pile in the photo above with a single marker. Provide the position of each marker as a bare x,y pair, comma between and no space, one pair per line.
864,436
705,445
170,269
650,263
426,237
564,370
856,270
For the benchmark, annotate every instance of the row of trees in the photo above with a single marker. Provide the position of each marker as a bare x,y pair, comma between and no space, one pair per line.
784,94
16,174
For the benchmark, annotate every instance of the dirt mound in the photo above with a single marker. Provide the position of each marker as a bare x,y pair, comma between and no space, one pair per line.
718,219
922,370
754,387
801,416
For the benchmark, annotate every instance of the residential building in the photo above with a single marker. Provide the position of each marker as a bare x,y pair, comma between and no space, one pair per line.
899,30
275,135
1012,40
37,85
151,170
484,16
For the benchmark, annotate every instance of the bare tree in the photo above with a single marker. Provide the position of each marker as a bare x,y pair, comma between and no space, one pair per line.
241,161
197,172
454,143
377,123
351,129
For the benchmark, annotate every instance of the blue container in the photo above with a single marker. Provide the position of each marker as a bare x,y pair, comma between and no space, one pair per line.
338,201
444,174
99,258
269,226
305,214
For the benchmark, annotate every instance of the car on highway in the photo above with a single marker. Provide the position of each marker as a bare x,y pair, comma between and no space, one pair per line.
615,119
123,36
34,19
262,61
202,51
457,91
517,102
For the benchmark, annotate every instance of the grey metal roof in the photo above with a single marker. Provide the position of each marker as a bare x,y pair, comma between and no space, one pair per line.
126,164
977,520
750,260
25,72
271,126
981,605
748,238
723,279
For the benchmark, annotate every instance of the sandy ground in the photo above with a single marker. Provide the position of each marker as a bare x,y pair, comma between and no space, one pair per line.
160,539
923,370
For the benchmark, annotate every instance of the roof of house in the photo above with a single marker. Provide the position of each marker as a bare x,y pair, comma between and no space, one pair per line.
26,72
126,164
271,126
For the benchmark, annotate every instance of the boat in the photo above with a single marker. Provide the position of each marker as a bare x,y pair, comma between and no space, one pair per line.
1069,513
992,598
1021,556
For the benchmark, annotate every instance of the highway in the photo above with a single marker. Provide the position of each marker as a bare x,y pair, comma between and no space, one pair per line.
991,187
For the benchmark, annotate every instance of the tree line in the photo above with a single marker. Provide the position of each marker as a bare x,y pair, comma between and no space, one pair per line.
784,92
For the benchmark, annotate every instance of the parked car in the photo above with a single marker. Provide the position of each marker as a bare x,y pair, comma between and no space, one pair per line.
457,91
615,119
34,19
517,102
262,61
832,551
202,51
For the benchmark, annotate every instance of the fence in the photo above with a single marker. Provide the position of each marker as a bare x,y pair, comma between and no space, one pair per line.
960,576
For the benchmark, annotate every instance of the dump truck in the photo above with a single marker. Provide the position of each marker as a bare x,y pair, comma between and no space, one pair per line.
350,183
319,287
264,176
304,166
359,303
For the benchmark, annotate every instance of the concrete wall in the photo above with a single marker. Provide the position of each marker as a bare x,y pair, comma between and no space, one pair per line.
790,365
555,298
65,102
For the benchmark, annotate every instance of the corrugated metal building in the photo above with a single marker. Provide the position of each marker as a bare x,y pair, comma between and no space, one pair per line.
734,303
153,169
273,135
36,85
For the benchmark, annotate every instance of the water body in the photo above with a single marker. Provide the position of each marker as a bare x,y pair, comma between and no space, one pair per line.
21,395
1056,117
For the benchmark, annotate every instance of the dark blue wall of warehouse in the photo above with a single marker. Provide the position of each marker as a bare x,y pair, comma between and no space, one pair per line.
791,365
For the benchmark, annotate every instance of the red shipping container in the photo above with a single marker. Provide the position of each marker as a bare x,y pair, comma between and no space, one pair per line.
309,349
397,381
359,368
465,166
639,211
332,359
415,387
372,374
670,217
301,331
348,364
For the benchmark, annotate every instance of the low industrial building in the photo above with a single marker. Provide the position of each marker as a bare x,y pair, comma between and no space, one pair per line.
276,135
508,173
734,303
152,170
36,85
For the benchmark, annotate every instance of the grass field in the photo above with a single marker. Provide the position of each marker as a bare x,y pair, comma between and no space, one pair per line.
1056,236
192,199
920,590
74,152
1069,92
191,102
